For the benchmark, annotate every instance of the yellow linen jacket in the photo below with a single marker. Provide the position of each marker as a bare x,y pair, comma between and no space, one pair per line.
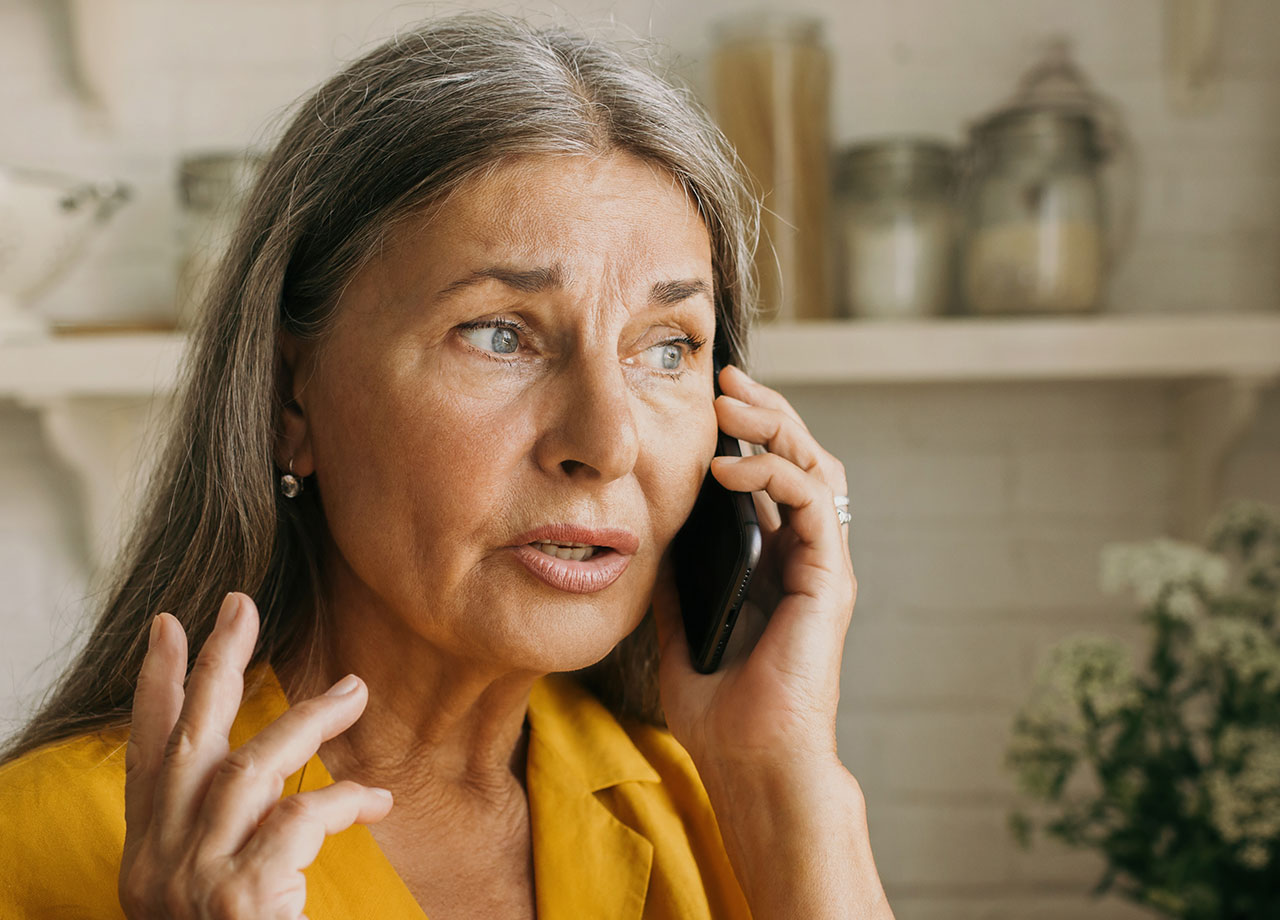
622,828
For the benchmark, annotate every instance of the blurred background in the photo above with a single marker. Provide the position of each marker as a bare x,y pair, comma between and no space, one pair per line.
1023,278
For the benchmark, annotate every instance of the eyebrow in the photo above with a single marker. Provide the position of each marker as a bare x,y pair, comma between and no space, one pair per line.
553,277
528,281
667,293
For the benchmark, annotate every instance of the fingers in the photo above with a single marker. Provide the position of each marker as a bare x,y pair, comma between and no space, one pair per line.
754,412
290,838
157,701
794,465
734,381
249,782
809,623
193,808
775,429
199,739
767,512
808,499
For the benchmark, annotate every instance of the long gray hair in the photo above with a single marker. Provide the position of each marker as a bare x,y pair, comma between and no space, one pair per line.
394,132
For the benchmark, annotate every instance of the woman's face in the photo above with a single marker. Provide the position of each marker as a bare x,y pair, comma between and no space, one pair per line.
517,360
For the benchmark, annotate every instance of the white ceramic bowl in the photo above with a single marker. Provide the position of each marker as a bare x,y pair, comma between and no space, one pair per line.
45,220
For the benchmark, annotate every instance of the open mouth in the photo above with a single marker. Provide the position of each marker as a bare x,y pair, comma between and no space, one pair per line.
579,568
577,552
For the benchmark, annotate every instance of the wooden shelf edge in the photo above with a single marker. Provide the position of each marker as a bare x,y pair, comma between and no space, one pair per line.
1041,348
116,365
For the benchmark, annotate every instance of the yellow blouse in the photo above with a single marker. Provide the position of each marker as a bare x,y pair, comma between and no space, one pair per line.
620,821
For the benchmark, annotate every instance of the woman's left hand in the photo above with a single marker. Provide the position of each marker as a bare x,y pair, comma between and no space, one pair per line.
772,702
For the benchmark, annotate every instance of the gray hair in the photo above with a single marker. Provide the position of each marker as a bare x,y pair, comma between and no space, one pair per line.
393,133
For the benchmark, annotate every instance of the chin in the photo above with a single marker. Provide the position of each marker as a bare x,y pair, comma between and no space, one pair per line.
573,638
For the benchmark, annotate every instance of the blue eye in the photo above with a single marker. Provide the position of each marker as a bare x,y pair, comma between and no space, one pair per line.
499,335
671,354
674,354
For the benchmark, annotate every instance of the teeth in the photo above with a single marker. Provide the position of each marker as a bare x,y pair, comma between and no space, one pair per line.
575,551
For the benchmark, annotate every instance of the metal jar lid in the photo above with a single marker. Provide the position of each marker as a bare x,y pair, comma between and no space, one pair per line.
1056,107
898,162
1043,131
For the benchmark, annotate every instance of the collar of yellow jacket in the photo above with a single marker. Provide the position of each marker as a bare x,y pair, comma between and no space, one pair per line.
587,862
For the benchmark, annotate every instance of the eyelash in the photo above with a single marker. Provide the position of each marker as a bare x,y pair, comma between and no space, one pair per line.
692,342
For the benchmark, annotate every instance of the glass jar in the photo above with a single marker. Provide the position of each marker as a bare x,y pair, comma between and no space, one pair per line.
771,76
895,228
1050,194
1034,237
212,187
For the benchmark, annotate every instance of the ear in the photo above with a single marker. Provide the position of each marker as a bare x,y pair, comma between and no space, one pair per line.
293,441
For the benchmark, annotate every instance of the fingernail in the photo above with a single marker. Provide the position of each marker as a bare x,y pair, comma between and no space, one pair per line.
155,631
344,686
739,370
732,400
727,461
227,613
380,792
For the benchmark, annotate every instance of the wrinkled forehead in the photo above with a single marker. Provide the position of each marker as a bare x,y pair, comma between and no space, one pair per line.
560,208
616,220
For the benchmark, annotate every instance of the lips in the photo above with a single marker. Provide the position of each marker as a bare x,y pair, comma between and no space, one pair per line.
621,541
614,549
585,577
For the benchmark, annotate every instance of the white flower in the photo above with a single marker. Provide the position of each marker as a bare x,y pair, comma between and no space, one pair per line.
1243,516
1148,568
1242,646
1254,855
1245,801
1184,604
1084,668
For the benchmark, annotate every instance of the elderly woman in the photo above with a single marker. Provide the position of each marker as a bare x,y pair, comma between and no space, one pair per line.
449,404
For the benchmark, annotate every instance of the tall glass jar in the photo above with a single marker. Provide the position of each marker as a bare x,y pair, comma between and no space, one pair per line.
771,75
1034,235
211,187
896,228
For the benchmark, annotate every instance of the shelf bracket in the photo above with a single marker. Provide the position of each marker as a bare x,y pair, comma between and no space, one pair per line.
105,442
1210,417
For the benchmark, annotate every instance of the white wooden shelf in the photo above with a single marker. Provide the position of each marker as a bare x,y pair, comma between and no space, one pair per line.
139,364
98,395
960,349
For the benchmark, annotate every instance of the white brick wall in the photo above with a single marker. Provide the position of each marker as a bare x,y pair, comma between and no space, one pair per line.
979,514
979,510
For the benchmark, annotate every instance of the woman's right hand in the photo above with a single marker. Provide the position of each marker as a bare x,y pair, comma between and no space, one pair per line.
207,834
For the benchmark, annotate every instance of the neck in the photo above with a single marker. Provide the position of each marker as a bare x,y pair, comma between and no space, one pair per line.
438,732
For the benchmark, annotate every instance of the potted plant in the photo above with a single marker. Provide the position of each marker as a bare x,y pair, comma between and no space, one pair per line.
1170,769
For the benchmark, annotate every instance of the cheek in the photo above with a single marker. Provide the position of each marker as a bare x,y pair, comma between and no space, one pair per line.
466,452
682,457
398,450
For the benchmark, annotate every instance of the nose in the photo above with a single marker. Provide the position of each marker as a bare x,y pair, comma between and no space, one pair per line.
592,431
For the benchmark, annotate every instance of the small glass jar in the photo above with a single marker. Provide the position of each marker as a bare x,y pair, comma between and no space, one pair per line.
895,228
1034,235
771,76
212,187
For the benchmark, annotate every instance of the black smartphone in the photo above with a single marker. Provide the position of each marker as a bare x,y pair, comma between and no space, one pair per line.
714,555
